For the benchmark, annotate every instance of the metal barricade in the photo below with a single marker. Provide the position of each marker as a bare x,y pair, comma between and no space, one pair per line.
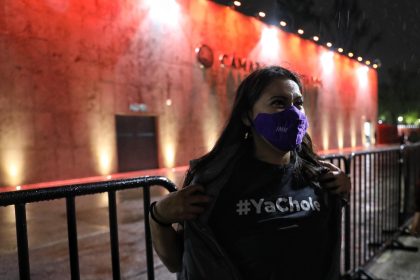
380,205
20,198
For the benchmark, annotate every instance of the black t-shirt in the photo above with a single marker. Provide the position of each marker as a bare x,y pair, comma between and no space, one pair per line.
271,226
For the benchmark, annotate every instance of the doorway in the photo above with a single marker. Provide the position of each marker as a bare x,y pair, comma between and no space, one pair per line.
136,143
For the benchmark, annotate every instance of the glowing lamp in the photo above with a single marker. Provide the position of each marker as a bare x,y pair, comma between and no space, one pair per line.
283,23
359,58
237,3
367,62
375,66
340,50
329,44
316,38
351,54
261,14
300,31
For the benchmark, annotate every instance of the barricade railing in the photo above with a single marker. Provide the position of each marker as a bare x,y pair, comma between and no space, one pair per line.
20,198
381,203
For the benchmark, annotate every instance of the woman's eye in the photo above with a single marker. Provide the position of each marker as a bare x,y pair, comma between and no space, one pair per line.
298,104
277,103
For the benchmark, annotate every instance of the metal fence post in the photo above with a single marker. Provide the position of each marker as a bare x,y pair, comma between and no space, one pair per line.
149,247
22,241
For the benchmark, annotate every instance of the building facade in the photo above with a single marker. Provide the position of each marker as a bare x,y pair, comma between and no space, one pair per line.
82,83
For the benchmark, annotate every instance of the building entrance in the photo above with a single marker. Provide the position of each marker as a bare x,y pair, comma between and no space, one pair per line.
136,143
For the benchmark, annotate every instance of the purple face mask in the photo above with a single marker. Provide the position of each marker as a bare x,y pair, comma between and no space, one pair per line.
284,130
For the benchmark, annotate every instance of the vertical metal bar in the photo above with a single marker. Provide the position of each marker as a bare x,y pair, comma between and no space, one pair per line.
395,191
22,241
377,200
386,194
359,194
369,175
347,232
113,231
365,209
354,214
407,183
149,248
72,236
383,187
389,194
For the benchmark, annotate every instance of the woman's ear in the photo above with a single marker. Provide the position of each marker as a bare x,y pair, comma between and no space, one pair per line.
246,119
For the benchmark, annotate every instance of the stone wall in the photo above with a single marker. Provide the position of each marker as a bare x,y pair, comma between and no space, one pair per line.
68,67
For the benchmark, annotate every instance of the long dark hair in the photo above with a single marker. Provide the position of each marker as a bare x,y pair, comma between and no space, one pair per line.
248,92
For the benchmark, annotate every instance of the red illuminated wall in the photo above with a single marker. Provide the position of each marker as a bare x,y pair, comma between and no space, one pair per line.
68,67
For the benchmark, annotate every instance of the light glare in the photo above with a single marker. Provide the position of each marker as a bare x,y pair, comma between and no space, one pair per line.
237,3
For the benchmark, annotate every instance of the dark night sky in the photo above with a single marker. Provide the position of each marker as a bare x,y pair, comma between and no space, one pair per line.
397,21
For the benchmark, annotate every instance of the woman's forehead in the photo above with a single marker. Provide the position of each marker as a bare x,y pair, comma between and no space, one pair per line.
283,87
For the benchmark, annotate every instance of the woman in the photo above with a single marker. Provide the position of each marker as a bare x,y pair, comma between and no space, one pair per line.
253,207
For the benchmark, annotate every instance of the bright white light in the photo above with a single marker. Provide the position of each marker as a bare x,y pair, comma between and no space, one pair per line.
375,66
380,121
300,31
283,23
270,43
168,102
351,54
400,118
367,62
362,75
327,61
329,44
237,3
261,14
18,188
366,128
340,50
164,11
359,58
316,38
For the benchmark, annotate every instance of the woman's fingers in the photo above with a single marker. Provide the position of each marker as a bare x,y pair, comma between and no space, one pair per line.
336,181
329,165
185,204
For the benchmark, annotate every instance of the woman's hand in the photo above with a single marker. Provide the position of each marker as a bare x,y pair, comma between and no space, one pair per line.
335,180
185,204
415,225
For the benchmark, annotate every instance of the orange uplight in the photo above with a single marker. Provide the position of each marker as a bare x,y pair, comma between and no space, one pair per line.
300,31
